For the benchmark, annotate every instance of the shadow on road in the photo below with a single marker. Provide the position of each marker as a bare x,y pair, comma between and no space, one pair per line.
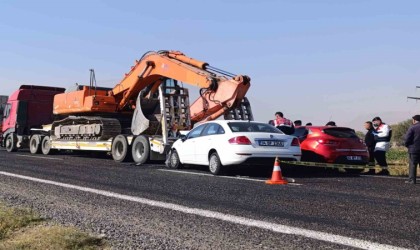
287,171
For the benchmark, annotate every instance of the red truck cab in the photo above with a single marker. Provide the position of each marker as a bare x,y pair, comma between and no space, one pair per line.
3,101
27,108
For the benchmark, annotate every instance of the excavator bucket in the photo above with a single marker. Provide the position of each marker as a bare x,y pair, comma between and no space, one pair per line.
140,123
168,109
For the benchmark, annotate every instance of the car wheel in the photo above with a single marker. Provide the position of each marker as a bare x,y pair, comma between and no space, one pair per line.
35,144
174,160
140,149
11,143
215,166
120,149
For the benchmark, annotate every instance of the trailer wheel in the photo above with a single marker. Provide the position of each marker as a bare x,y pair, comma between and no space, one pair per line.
140,149
46,146
35,144
11,143
120,149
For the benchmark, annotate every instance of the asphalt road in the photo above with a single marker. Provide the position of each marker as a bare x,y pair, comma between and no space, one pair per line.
151,207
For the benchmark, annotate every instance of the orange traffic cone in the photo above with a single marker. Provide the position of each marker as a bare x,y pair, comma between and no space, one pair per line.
277,177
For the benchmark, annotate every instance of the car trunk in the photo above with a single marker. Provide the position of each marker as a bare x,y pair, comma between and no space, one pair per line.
268,140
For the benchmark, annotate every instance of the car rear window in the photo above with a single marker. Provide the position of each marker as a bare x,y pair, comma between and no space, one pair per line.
300,132
245,127
341,132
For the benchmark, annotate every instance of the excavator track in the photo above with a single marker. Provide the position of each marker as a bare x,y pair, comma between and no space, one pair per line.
87,128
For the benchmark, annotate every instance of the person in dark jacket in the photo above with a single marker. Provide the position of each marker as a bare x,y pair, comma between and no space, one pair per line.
370,144
412,142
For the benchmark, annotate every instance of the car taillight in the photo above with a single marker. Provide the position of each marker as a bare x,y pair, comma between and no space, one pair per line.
295,142
327,142
241,140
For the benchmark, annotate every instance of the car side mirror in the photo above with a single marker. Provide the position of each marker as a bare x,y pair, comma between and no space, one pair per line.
183,137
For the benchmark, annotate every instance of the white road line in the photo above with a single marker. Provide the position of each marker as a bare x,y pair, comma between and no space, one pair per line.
385,177
226,177
41,157
278,228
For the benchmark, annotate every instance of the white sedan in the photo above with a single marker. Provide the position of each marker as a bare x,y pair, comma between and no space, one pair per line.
222,143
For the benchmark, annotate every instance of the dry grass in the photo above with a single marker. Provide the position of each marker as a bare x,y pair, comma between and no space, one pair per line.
14,219
398,156
22,229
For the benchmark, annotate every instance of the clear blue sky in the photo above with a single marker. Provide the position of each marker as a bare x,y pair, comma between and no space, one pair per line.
313,60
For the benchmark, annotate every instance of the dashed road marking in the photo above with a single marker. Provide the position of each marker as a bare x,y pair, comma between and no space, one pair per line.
41,157
275,227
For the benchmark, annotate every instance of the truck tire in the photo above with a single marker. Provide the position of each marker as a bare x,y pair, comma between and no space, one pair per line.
140,149
120,149
35,144
215,166
11,142
46,146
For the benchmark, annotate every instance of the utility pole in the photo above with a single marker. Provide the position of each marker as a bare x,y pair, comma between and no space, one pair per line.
412,97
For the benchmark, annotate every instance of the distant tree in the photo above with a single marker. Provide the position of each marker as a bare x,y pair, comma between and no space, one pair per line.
399,130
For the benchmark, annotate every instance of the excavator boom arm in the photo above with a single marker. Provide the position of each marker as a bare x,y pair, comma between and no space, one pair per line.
220,91
155,65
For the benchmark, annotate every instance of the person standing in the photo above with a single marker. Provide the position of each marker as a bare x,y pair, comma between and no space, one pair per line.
284,124
370,144
412,142
382,133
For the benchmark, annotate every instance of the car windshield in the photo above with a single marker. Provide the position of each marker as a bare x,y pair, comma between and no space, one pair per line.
245,127
341,132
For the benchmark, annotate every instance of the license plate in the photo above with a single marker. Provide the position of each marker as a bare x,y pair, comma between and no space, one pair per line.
354,158
272,143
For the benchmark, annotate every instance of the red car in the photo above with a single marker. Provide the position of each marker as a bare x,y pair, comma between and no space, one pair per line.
331,145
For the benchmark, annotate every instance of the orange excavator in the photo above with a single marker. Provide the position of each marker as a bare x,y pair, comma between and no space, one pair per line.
144,112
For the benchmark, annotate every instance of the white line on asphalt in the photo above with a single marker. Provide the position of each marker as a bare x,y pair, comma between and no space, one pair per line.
384,177
279,228
41,157
227,177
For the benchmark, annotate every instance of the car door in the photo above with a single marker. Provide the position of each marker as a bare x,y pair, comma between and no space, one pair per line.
207,141
189,145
